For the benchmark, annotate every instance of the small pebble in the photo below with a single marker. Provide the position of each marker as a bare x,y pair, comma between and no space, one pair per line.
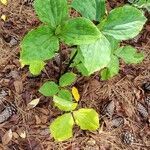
127,138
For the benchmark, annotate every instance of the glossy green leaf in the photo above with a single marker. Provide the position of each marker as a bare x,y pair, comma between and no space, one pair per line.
91,9
52,12
123,23
79,31
61,127
87,119
36,67
67,79
111,70
129,55
65,94
49,88
64,104
96,56
37,46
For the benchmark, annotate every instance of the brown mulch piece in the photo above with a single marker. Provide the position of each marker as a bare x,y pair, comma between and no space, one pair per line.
125,127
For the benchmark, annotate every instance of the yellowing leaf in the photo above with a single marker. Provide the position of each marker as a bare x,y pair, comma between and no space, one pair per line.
75,94
33,103
4,2
3,17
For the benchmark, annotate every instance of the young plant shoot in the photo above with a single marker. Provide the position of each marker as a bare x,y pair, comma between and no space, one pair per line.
97,49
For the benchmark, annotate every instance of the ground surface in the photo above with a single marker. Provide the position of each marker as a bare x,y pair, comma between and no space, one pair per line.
30,127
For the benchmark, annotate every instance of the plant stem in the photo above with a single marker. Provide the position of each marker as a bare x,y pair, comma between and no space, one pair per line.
70,61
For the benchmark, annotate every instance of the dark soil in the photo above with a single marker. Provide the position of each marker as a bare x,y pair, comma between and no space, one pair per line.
123,101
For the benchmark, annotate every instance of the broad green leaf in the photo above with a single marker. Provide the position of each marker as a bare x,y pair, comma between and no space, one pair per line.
79,31
64,104
91,9
53,12
38,45
67,79
111,70
114,44
61,127
129,55
123,23
36,67
96,56
87,119
65,94
49,88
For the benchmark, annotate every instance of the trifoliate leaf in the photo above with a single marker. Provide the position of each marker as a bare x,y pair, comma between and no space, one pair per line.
75,94
87,119
67,79
130,55
64,104
49,88
61,127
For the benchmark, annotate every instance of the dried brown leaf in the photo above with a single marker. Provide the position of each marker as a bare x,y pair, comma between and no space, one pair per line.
7,137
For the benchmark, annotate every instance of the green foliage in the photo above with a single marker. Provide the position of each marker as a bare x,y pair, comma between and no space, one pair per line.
67,79
129,55
94,56
87,119
141,3
52,12
42,43
65,94
64,104
111,70
91,9
123,23
34,52
36,67
98,48
79,31
49,89
61,127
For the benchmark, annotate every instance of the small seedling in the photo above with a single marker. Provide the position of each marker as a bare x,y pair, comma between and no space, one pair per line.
98,49
66,101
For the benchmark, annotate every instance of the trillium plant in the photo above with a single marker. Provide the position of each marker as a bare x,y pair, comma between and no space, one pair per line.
97,36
